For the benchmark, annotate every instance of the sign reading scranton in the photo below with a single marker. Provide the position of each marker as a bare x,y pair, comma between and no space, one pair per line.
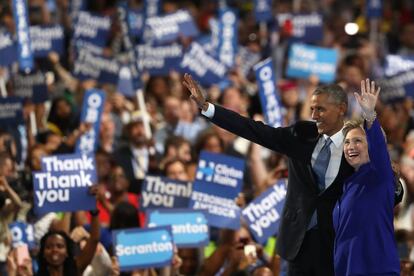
263,213
162,192
63,184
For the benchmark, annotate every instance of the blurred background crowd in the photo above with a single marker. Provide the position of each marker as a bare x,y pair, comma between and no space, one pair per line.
128,150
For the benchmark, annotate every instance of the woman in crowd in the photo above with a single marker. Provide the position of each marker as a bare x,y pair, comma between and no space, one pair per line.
363,216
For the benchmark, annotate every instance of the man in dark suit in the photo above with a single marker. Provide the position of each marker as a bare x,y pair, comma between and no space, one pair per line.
306,234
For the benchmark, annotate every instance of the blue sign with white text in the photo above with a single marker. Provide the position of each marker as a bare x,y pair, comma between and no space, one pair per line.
269,96
189,227
263,10
228,39
202,66
45,39
22,233
218,182
11,111
152,8
92,28
305,60
8,53
162,192
24,49
374,8
63,184
143,248
307,28
92,108
159,60
263,213
31,86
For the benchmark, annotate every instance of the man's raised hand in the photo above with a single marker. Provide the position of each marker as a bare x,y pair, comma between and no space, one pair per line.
196,91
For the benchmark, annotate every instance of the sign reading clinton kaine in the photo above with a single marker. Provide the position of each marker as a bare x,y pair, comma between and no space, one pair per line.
8,53
269,96
63,184
202,66
22,233
189,227
218,182
168,28
45,39
305,60
92,108
162,192
11,111
307,28
143,248
263,213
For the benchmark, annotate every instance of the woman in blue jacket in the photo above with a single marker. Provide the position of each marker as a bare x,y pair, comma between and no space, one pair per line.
363,216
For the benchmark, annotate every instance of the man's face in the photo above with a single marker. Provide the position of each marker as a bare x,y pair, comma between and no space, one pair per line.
327,114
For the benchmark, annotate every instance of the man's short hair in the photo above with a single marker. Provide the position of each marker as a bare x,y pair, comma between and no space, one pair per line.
336,93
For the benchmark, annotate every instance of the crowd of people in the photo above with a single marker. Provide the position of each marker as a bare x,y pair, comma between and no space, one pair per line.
80,243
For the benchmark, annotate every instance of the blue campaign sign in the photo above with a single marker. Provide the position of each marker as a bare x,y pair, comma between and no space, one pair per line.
162,192
63,184
202,66
168,28
374,8
11,111
92,28
263,10
305,60
189,227
262,215
135,23
45,39
269,96
75,6
22,233
125,85
218,182
228,39
397,87
8,53
152,8
396,64
93,66
159,60
24,49
307,28
92,108
248,59
31,85
143,248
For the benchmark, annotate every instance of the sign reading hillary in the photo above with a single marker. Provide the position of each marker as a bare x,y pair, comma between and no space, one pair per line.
11,111
159,60
218,182
63,184
306,27
22,233
24,49
305,60
228,29
92,28
263,213
8,53
143,248
93,66
269,96
92,108
168,28
45,39
263,10
202,66
189,227
374,8
31,85
162,192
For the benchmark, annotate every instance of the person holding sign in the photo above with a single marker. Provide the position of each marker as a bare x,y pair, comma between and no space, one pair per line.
317,170
363,216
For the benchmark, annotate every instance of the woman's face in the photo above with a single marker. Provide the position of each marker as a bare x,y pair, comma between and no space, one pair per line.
55,250
356,148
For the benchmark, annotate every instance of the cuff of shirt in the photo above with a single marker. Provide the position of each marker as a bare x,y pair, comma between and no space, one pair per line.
209,113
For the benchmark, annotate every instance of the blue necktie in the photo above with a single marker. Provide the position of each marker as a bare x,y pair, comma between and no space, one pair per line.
319,167
321,163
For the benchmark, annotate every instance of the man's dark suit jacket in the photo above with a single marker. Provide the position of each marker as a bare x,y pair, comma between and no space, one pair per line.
297,142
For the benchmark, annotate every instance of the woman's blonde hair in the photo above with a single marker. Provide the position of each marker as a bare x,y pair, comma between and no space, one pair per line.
352,124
